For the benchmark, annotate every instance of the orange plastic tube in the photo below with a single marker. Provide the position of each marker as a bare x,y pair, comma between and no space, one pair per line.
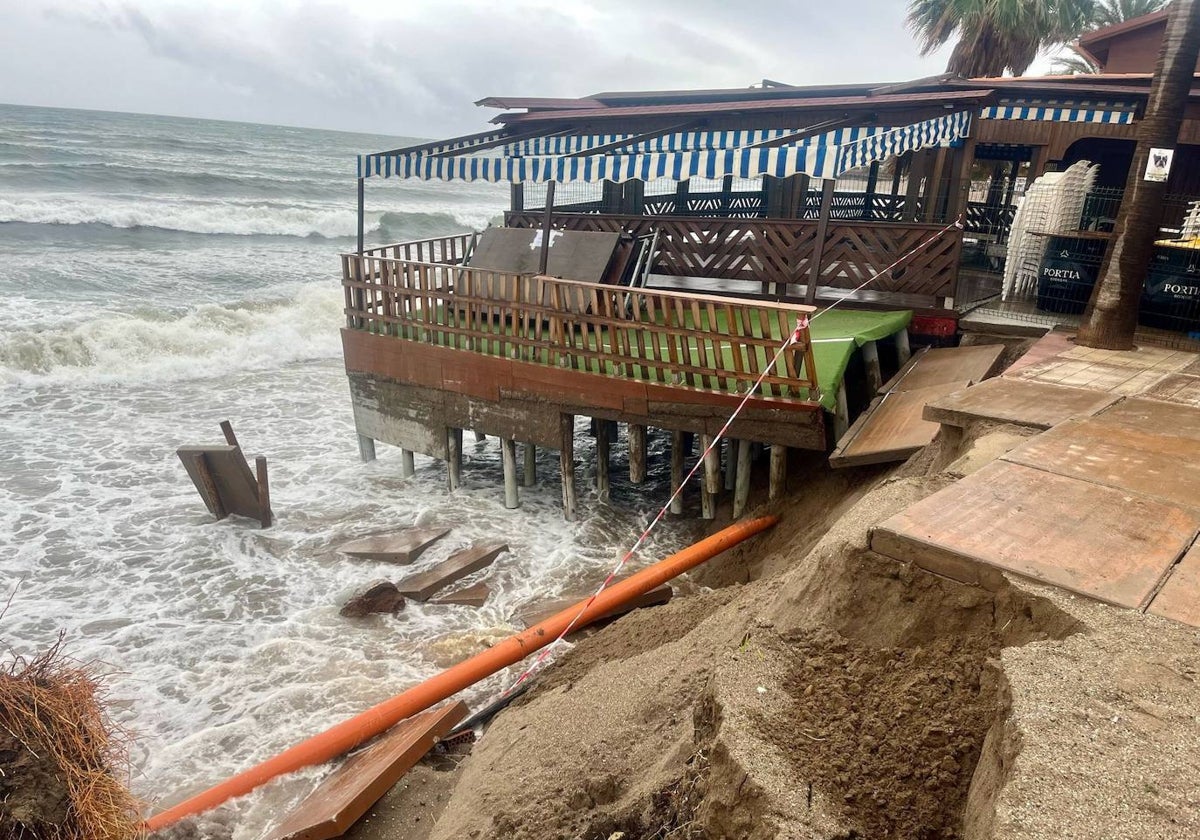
349,734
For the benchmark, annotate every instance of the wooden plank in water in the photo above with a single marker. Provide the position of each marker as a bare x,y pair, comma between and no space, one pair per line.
1111,545
451,570
1037,404
943,365
892,429
401,548
540,612
232,478
1179,598
475,595
1145,459
347,794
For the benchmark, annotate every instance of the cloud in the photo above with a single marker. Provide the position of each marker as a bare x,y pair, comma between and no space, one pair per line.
414,67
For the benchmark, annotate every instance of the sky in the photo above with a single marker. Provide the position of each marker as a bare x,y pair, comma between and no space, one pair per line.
414,67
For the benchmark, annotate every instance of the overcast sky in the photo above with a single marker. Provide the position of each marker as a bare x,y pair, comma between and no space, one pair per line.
413,67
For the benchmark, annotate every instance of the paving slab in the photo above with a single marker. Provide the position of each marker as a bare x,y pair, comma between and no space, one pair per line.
943,365
421,587
1179,388
540,612
1036,404
1179,598
1164,418
1108,544
367,775
475,595
1126,457
401,548
1047,347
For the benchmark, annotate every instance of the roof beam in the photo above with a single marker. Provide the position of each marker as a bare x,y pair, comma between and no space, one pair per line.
433,144
638,138
512,137
812,131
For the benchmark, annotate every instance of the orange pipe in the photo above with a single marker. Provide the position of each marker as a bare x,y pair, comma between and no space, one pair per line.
349,734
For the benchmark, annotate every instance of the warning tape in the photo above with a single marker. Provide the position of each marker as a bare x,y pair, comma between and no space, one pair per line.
796,336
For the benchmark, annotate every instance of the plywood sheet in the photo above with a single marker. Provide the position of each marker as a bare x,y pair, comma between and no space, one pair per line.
403,547
235,483
1037,404
541,612
1161,417
892,430
1108,544
944,365
451,570
354,787
1179,598
1126,457
574,254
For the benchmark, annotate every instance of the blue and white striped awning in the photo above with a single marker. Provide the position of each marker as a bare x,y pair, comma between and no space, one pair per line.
680,156
1086,113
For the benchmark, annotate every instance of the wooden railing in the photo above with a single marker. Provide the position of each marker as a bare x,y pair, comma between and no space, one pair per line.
668,338
777,252
451,250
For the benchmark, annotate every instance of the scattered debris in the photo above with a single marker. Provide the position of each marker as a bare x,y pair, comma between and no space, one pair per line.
401,548
475,595
223,478
378,596
451,570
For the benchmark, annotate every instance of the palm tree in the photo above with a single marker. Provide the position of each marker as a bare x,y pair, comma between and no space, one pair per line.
992,36
1105,13
1111,316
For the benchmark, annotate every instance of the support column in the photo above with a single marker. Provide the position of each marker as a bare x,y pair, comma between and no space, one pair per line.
361,214
778,477
676,471
903,351
603,447
741,490
841,416
366,448
454,439
711,485
870,355
814,272
730,463
637,453
408,466
566,463
529,476
508,460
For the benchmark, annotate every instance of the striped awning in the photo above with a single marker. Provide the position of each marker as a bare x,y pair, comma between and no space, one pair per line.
678,156
1085,113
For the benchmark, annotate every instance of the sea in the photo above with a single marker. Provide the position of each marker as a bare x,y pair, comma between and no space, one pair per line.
159,275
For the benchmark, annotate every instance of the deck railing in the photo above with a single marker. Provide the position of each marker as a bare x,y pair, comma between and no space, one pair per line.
669,338
778,252
451,250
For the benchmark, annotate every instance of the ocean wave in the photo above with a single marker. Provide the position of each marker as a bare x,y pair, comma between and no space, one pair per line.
210,339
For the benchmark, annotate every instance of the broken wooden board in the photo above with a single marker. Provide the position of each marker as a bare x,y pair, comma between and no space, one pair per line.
475,595
457,566
892,429
1179,597
400,548
1039,405
943,365
1111,545
1142,459
354,787
541,612
233,481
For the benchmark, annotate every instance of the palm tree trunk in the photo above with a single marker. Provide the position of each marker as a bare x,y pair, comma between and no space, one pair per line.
1111,316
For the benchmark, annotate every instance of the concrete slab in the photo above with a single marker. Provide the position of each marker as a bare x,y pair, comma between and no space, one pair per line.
1108,544
1164,418
475,595
401,548
354,787
1126,457
1036,404
1179,598
457,566
540,612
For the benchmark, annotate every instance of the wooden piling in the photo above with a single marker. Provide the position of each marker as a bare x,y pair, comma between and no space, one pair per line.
566,457
741,491
778,476
508,460
637,453
730,462
870,356
903,351
529,476
712,465
677,453
366,448
841,414
603,446
408,466
454,438
264,491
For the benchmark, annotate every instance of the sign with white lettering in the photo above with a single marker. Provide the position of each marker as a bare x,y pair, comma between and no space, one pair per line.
1158,167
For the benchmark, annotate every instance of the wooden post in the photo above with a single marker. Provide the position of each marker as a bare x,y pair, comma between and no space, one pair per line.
814,271
868,210
361,214
741,490
677,453
841,417
730,463
870,356
366,448
544,259
516,197
681,197
916,172
778,477
903,351
710,486
689,443
454,439
637,453
529,476
408,467
230,437
480,437
933,188
508,461
264,491
603,445
566,458
210,486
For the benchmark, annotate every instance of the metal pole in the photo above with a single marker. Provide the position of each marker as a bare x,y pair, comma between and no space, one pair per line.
361,191
546,228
